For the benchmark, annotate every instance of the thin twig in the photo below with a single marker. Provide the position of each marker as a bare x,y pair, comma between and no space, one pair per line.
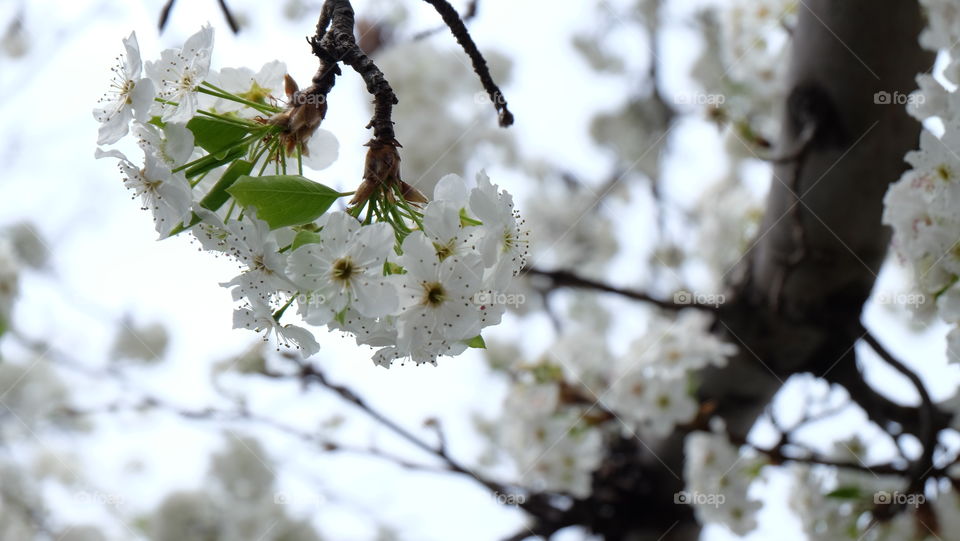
453,20
923,467
308,373
165,15
168,7
231,20
468,14
562,278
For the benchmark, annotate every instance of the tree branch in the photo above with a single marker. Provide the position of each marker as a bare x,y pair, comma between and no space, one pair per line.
227,14
928,432
468,14
452,19
562,278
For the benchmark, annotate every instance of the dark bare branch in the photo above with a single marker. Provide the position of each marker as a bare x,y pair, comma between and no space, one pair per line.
453,20
562,278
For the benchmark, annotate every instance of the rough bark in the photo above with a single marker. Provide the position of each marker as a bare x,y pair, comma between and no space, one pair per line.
800,290
821,242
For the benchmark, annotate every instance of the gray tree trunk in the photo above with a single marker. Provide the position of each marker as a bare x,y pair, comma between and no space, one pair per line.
801,287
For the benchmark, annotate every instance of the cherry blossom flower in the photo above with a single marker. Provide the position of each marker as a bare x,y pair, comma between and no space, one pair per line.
258,316
129,97
344,269
167,195
436,308
179,73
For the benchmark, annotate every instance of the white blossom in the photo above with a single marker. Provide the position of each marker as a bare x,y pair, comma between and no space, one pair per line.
718,478
258,316
257,247
129,96
173,145
554,451
436,311
263,87
167,195
179,73
344,269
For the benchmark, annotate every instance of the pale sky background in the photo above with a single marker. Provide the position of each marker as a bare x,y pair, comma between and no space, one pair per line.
107,264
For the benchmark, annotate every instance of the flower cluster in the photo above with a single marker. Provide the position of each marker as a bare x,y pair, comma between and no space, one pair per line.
577,395
743,67
717,479
653,389
921,207
224,158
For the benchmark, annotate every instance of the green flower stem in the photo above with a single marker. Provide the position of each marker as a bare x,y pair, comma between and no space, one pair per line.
279,313
415,215
212,90
239,122
194,183
242,142
233,205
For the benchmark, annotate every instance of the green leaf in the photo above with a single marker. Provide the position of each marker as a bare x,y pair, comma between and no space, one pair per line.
215,135
846,493
283,200
211,161
218,194
305,237
477,342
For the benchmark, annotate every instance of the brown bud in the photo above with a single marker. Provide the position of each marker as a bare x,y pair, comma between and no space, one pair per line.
290,86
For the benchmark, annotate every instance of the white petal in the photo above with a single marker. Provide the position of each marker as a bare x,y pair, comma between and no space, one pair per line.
441,221
373,244
419,257
179,143
375,297
301,337
338,234
271,75
132,61
112,153
142,97
322,148
451,188
116,125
